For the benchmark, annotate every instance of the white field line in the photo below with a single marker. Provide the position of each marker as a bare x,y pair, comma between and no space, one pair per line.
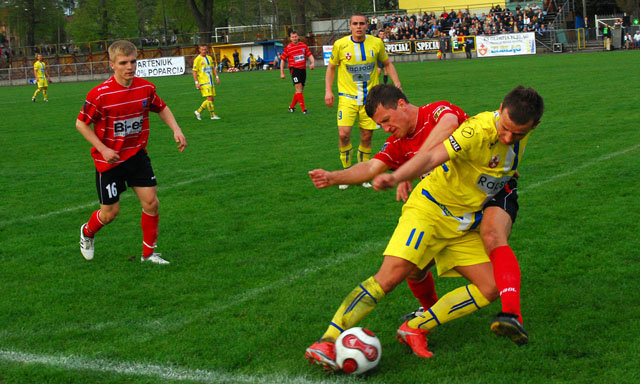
175,373
95,203
580,167
79,363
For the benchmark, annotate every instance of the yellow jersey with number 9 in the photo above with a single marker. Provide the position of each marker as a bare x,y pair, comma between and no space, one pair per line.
357,66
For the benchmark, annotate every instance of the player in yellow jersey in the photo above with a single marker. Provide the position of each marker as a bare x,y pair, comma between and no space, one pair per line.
204,72
439,221
355,57
41,73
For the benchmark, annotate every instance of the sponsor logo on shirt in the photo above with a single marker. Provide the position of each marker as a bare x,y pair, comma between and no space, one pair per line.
127,127
438,112
454,144
491,184
467,132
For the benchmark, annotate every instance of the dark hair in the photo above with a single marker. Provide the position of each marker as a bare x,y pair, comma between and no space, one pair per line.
291,32
524,105
386,95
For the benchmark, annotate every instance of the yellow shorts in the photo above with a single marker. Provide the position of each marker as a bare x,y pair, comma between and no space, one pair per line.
347,113
424,233
42,82
207,90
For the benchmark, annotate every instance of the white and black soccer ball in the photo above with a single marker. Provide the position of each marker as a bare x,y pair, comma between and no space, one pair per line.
358,350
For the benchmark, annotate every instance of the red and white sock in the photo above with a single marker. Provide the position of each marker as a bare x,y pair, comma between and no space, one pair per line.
424,290
506,273
94,224
149,226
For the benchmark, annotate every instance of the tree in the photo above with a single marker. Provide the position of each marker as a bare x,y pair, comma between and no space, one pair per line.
103,20
204,17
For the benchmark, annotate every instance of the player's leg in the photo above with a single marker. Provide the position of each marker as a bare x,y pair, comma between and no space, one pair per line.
33,98
143,181
109,185
300,89
423,287
367,126
44,94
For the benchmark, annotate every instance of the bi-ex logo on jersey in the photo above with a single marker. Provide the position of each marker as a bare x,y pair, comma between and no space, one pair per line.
128,127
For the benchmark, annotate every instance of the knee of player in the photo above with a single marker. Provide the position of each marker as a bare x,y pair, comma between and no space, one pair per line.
489,291
345,137
151,207
108,215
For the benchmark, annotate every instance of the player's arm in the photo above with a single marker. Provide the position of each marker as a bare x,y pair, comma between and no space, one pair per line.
195,77
215,73
445,127
391,71
313,62
178,136
357,174
421,163
107,153
328,84
282,67
35,72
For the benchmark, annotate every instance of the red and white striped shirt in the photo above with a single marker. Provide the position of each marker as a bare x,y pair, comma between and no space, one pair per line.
396,152
120,117
297,55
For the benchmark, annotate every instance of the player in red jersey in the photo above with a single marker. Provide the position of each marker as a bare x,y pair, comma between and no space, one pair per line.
119,111
414,128
297,53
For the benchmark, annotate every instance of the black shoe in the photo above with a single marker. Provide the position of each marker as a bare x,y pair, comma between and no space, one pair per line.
305,112
507,325
292,109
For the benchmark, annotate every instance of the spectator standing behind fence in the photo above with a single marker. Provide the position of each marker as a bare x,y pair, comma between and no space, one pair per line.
636,39
41,73
607,33
236,59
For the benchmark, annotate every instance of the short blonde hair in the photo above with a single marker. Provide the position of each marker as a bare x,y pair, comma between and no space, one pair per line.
121,48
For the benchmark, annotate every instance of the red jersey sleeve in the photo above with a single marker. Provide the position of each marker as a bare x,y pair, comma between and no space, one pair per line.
157,104
91,110
392,153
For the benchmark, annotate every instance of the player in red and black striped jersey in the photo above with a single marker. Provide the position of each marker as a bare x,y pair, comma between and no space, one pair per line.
297,53
119,109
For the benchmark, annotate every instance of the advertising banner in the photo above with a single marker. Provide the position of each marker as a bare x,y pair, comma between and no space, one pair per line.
414,46
326,53
162,66
509,44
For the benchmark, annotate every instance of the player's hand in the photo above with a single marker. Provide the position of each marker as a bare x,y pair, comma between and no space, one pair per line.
403,190
197,86
516,175
217,80
328,99
110,156
180,139
384,181
320,178
311,66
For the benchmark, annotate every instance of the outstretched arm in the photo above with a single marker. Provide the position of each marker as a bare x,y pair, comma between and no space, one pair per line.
178,136
357,174
421,163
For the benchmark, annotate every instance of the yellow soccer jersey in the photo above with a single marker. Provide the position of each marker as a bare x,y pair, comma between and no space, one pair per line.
204,67
356,63
478,168
39,66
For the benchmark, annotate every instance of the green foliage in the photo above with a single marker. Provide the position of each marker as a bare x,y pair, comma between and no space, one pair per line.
261,259
104,20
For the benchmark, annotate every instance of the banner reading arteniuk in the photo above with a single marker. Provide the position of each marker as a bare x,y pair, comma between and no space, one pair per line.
161,66
509,44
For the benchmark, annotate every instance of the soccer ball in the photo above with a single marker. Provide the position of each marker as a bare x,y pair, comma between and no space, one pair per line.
358,350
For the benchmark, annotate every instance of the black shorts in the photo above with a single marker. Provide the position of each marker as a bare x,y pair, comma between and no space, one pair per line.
136,171
299,76
507,199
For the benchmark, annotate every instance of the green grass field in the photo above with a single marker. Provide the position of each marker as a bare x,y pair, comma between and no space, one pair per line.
260,259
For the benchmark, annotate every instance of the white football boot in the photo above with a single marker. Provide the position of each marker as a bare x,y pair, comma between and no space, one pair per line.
86,244
155,258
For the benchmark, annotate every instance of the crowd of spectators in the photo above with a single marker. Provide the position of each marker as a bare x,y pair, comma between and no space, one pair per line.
461,23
